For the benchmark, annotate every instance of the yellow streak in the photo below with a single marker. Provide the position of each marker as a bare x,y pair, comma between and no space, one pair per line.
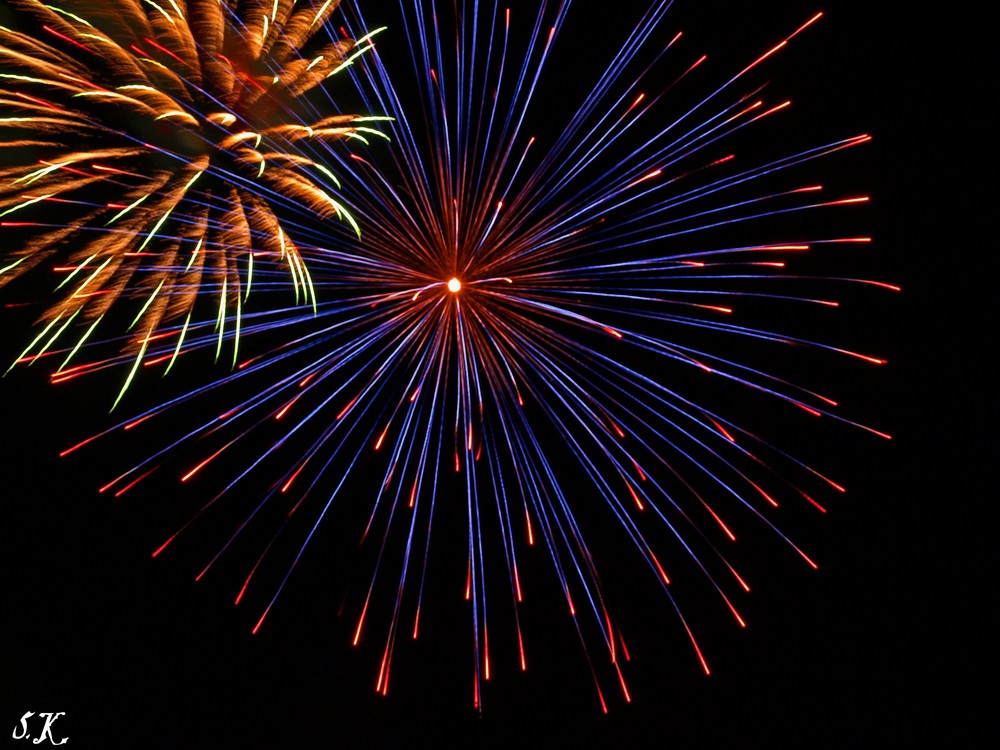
239,322
179,12
249,274
29,79
102,93
79,344
35,341
350,60
56,335
220,323
165,14
341,211
293,268
26,203
309,286
41,172
125,210
135,367
176,113
180,341
151,61
92,276
194,255
373,131
77,270
323,168
146,306
369,35
15,264
167,214
69,15
319,14
225,119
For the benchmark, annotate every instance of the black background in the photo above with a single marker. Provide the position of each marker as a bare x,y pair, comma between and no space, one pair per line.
879,647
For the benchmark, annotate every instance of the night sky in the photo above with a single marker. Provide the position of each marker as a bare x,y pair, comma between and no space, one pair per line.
878,647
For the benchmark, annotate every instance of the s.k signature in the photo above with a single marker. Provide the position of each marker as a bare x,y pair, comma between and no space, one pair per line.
22,731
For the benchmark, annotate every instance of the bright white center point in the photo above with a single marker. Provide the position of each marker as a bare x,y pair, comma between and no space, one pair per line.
454,285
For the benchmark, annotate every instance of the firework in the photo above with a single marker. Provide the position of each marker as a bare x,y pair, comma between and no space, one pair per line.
145,145
538,335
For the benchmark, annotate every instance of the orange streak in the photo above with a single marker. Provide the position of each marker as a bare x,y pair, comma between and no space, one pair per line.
286,407
293,478
663,573
347,408
722,430
635,497
202,465
361,621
